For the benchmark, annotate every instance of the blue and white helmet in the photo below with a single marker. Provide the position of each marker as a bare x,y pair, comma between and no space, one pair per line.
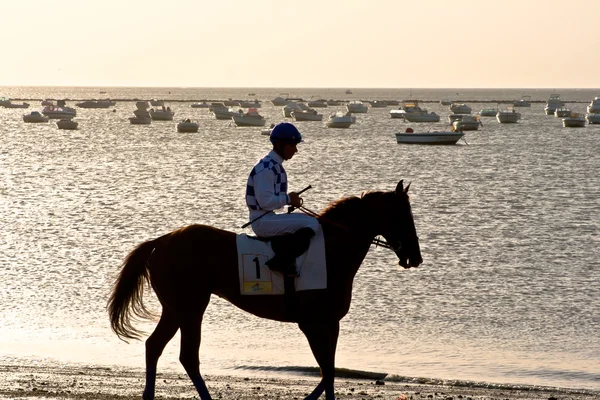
285,132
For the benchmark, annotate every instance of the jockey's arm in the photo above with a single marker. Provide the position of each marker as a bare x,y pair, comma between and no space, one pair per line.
264,189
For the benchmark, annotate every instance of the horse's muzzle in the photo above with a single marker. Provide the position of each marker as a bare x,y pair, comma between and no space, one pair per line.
409,256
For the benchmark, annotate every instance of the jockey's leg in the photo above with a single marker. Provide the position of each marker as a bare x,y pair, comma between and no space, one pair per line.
293,234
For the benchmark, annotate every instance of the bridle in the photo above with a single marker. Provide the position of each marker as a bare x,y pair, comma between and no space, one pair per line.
376,241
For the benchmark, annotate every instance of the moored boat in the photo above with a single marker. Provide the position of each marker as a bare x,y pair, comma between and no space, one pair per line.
357,106
553,103
575,120
35,117
67,123
340,120
594,106
433,137
593,118
249,118
162,114
306,115
188,126
467,123
460,108
508,116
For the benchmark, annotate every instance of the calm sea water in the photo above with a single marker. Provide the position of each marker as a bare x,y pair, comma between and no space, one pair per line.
509,227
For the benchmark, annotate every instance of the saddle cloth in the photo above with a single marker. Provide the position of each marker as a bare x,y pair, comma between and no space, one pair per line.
257,279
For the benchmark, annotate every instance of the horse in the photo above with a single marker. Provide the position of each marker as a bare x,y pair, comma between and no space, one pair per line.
186,266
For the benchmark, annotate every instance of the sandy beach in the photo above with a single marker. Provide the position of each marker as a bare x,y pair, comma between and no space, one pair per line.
32,382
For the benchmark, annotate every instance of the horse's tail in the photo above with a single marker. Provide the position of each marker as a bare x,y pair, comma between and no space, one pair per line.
126,301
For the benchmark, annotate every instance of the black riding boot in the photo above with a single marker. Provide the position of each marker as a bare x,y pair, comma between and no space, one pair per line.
287,248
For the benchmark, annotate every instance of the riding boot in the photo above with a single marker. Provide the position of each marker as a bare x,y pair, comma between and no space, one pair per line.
287,248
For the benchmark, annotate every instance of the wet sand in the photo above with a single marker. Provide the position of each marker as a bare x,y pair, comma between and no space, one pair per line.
32,382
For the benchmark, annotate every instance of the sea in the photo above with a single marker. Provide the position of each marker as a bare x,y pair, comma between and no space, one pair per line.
508,220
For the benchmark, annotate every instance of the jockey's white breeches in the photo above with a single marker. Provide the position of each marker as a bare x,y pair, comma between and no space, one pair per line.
279,224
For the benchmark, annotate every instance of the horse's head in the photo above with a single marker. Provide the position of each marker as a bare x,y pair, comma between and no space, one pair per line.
397,226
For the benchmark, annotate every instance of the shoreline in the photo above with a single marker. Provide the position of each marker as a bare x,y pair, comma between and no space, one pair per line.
104,383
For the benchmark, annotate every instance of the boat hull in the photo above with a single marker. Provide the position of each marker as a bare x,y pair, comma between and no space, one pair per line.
573,122
593,118
422,117
246,121
508,118
68,125
438,138
300,116
187,127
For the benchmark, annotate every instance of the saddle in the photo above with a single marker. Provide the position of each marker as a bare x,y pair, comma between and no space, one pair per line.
287,248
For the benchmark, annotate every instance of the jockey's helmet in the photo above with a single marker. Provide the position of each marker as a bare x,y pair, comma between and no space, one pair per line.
285,132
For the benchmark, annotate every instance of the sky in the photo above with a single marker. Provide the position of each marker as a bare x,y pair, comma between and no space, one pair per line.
308,43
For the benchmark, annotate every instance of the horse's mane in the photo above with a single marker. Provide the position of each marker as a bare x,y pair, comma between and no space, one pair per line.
345,205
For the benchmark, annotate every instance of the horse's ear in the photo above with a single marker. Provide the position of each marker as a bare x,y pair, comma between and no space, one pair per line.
400,187
406,188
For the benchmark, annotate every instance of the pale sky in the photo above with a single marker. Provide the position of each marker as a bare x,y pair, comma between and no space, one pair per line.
309,43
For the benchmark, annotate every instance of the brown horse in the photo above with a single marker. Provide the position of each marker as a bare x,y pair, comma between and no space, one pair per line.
186,266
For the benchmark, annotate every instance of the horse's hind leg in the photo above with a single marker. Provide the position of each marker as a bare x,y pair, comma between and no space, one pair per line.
189,356
155,344
322,339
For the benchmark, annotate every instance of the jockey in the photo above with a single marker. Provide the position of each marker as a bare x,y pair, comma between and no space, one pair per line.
266,191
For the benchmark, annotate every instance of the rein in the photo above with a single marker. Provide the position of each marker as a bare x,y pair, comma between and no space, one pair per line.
376,241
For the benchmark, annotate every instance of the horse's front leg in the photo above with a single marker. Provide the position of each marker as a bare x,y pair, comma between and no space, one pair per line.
322,338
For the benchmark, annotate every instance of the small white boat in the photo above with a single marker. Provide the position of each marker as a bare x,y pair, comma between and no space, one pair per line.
357,106
508,116
422,116
445,102
96,104
553,103
488,112
593,118
524,102
455,117
435,137
348,91
162,114
575,120
59,111
201,105
466,123
268,130
6,103
378,104
35,117
250,104
407,107
562,112
225,113
293,106
320,103
279,101
306,115
249,118
340,120
594,106
460,108
188,126
67,123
